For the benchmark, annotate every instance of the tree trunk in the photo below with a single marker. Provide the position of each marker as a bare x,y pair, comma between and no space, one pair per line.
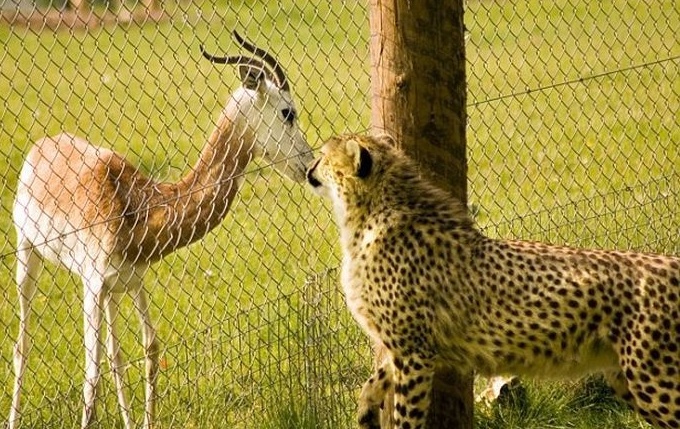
418,97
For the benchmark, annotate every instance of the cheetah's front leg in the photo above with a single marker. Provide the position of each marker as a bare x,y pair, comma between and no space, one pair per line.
373,394
412,378
413,375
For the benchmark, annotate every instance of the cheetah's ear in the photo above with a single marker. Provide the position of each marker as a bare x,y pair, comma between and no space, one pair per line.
362,158
388,139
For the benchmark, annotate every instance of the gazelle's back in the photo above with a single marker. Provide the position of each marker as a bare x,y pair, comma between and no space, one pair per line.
65,195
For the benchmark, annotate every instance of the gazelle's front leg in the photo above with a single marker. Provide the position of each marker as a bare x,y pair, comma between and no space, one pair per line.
111,305
413,375
92,309
28,264
151,356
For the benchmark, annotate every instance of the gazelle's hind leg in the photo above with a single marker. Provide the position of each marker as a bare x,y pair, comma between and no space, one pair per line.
92,318
28,267
111,305
151,352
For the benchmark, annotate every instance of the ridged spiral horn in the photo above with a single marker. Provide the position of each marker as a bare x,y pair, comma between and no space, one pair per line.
281,79
278,76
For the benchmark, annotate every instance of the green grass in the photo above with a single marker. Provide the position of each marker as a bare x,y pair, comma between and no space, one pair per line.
237,332
557,405
254,328
592,162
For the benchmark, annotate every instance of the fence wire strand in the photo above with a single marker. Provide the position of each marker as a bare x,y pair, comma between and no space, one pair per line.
575,81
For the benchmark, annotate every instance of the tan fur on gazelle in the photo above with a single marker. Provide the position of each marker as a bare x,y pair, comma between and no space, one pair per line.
89,210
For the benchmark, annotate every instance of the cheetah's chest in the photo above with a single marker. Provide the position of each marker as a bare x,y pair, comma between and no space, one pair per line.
353,288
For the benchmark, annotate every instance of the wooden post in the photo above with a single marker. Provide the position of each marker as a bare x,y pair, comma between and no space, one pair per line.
419,96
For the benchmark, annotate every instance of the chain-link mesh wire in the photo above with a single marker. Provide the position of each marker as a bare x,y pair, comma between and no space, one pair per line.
251,327
574,131
573,137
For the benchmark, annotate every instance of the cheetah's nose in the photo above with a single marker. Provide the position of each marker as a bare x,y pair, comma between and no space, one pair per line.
310,175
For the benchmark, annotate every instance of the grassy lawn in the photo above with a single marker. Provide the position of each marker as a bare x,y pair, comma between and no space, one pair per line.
253,324
591,163
247,317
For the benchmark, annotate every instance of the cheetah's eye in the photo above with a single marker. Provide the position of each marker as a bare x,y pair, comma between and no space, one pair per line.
288,115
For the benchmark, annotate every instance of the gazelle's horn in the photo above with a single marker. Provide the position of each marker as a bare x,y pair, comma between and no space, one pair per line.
237,59
281,80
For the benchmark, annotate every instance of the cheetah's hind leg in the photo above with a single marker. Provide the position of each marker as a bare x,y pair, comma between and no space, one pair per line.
372,396
617,381
651,400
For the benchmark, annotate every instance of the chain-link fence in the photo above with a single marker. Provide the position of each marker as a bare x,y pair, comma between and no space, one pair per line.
574,121
573,138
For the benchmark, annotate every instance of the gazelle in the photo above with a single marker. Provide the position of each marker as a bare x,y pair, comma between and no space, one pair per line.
88,209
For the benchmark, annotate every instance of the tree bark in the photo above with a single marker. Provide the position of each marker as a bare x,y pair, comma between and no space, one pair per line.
418,96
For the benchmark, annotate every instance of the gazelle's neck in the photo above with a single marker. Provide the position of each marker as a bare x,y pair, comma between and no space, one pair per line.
178,214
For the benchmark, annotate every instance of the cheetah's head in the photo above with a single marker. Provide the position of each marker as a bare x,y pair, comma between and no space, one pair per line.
348,163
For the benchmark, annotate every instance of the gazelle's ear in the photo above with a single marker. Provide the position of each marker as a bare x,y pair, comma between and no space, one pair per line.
363,162
251,77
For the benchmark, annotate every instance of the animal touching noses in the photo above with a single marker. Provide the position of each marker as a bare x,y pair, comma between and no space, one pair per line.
310,176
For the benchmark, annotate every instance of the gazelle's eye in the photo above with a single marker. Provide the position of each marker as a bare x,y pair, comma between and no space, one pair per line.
288,115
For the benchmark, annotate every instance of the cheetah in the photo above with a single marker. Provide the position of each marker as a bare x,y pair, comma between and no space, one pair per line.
425,283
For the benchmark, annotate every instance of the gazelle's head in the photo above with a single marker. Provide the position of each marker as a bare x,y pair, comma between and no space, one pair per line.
263,105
